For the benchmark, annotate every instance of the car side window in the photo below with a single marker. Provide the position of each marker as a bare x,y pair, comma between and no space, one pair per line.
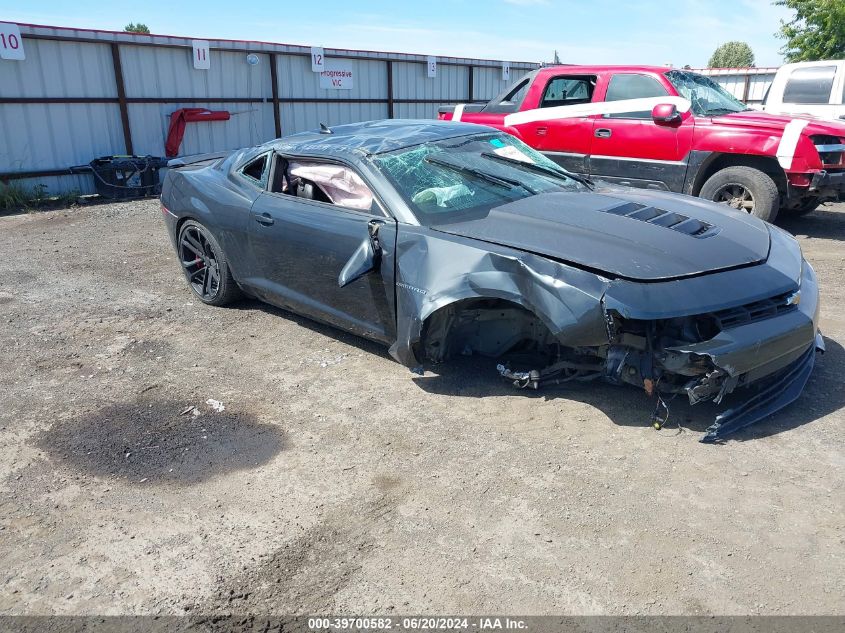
257,171
631,86
329,183
811,85
562,91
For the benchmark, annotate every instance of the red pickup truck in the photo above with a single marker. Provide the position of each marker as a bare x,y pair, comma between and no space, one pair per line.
671,129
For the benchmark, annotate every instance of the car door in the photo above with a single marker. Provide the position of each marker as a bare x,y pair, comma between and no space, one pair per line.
563,127
629,147
300,245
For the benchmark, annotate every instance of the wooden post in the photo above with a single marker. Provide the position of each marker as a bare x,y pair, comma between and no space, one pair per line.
274,87
470,82
390,104
121,97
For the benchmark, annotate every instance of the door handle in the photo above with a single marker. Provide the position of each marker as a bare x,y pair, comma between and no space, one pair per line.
541,131
264,219
603,132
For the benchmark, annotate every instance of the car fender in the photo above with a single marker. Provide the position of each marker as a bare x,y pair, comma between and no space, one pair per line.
435,271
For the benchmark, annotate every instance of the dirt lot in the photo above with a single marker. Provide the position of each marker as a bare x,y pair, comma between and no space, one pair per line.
336,481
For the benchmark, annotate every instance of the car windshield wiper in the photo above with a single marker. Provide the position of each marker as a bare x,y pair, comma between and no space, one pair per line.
713,111
537,168
501,181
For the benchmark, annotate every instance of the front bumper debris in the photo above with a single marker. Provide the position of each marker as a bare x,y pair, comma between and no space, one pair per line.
773,393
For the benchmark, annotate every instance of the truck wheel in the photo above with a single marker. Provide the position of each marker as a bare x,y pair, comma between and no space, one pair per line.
746,189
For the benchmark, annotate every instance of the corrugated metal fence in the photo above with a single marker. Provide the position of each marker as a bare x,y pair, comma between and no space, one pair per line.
749,85
81,94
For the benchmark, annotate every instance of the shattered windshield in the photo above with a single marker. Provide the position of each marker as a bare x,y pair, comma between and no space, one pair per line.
449,179
706,96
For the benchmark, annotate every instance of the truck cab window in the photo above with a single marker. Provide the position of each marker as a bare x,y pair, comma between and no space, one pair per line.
562,91
811,84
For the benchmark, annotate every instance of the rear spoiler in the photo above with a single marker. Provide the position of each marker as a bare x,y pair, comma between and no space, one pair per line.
182,161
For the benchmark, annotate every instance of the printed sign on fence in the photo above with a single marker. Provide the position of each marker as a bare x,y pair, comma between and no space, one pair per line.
318,59
202,59
431,62
338,76
11,43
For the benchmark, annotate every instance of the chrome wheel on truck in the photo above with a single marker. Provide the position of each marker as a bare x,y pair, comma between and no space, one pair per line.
745,189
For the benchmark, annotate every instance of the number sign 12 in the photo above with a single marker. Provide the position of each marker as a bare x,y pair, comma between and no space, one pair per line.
202,59
318,60
11,43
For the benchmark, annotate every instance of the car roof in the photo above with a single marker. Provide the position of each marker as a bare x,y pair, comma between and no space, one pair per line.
375,137
600,69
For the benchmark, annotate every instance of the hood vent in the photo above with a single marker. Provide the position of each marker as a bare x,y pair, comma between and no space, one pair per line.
669,219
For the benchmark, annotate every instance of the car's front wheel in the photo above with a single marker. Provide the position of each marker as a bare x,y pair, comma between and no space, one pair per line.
205,265
746,189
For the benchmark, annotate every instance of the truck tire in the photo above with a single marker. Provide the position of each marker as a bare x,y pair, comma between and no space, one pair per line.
744,188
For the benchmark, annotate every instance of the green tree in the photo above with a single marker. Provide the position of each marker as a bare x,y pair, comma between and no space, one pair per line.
816,32
137,28
732,55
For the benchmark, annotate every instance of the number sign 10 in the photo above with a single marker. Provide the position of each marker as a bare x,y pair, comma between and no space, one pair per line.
11,44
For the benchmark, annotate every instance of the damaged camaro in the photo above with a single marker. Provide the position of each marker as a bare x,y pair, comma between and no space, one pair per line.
439,239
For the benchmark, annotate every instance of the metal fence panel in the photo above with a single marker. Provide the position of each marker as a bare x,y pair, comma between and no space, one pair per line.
52,135
746,84
297,81
250,124
68,103
301,117
411,81
59,69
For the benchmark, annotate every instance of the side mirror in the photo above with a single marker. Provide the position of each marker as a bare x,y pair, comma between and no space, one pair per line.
367,256
665,114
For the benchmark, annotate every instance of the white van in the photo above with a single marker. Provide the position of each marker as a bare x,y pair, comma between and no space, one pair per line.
814,88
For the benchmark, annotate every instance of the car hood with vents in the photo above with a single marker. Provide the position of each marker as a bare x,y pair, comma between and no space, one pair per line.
629,234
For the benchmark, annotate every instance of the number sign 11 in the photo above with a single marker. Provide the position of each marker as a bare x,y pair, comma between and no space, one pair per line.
11,44
202,59
318,60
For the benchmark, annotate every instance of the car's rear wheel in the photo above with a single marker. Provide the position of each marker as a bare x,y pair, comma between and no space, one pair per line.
205,265
746,189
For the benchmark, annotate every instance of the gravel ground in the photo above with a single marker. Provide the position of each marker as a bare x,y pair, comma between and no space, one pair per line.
336,481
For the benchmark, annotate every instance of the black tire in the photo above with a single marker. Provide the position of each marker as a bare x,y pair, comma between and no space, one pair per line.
807,205
205,265
744,188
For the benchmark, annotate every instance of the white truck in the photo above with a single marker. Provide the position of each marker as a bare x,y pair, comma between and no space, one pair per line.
814,88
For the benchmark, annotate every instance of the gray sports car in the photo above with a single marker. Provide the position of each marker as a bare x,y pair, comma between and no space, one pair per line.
440,238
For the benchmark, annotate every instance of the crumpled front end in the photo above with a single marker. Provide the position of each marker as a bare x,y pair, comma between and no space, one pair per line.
753,329
766,347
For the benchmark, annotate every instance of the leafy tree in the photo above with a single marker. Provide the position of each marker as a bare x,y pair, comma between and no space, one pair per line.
137,28
732,55
816,32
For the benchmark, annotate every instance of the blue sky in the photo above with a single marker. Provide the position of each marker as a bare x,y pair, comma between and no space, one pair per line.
595,31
